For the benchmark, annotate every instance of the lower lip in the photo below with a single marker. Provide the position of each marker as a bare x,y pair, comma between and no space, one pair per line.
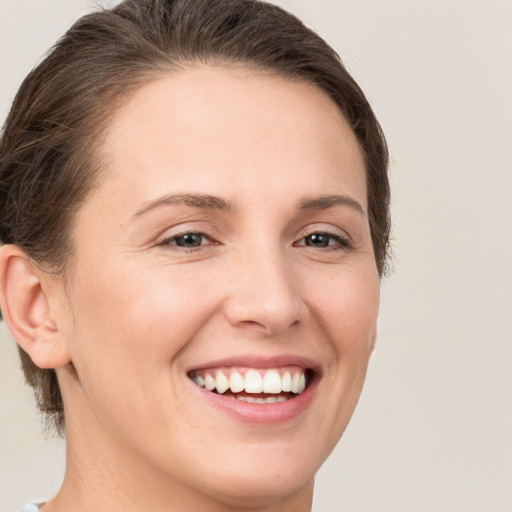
269,414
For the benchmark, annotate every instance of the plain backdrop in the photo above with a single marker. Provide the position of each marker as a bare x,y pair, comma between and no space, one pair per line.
433,429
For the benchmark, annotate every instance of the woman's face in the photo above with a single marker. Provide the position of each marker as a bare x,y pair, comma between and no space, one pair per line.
228,245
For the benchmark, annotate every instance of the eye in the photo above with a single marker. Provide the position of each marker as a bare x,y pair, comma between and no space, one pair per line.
190,240
323,240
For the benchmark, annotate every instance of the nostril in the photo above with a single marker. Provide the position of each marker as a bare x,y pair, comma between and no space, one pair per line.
268,319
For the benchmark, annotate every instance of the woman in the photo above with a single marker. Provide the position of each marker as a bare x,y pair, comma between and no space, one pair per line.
194,218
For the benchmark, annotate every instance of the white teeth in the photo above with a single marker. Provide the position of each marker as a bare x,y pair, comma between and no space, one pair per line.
209,382
253,382
221,383
286,382
249,399
296,383
199,380
236,382
272,382
267,400
302,383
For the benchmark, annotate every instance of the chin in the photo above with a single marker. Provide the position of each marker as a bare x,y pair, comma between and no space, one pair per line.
260,475
260,489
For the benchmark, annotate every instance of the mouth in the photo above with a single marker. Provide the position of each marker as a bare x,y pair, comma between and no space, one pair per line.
255,385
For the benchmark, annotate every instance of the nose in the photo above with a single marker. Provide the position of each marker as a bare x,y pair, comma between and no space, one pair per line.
264,294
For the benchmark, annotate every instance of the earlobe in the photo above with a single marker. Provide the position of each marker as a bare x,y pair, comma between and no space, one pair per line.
26,310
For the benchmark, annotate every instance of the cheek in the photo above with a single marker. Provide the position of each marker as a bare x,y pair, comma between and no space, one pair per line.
344,302
127,337
141,322
347,306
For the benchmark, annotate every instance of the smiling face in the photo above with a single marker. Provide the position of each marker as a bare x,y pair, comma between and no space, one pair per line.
224,291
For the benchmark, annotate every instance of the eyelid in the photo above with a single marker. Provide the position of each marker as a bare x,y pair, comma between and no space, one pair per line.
165,240
172,233
345,241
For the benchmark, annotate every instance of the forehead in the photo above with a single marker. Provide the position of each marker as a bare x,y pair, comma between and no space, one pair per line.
208,127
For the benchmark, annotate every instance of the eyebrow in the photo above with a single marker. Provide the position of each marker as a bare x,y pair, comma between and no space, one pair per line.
209,202
203,201
325,202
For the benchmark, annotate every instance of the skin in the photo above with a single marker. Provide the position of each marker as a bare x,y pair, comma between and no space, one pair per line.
138,310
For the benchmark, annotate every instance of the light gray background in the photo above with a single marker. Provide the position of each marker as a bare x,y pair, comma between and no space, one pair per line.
433,430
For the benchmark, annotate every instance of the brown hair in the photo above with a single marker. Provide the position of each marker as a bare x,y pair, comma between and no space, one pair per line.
48,148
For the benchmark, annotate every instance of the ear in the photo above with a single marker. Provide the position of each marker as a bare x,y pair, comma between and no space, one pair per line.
25,307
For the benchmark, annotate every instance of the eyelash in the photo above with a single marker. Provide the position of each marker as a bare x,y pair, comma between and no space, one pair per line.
341,242
172,240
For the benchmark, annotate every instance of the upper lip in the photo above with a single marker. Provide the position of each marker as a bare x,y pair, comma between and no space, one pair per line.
257,361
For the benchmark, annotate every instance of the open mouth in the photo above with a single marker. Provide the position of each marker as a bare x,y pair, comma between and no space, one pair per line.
254,385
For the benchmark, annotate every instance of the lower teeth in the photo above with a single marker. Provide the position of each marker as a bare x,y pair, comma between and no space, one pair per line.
268,400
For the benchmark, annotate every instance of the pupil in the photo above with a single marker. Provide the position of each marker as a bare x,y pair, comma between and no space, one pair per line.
317,240
189,240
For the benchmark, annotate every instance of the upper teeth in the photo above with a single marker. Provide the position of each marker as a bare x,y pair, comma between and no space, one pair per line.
252,381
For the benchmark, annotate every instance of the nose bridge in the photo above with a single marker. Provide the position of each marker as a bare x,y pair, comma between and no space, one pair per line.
263,291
